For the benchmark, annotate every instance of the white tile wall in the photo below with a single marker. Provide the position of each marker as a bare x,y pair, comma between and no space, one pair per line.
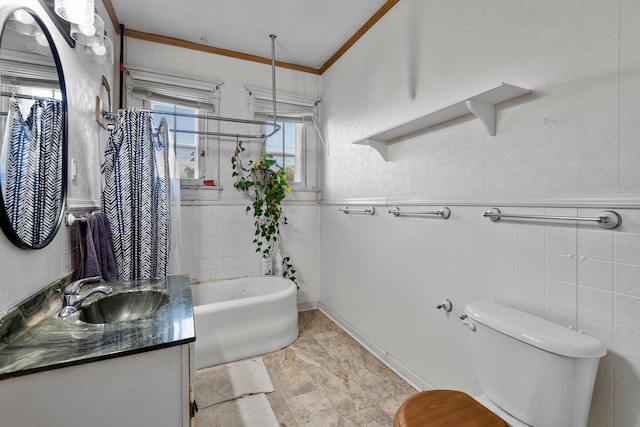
575,138
26,272
386,283
216,243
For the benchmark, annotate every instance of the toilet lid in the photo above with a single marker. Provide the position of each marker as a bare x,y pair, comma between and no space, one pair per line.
445,408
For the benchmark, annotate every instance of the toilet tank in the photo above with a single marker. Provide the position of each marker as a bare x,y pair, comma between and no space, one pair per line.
538,371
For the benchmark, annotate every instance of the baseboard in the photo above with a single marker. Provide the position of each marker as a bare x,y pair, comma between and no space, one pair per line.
413,379
306,306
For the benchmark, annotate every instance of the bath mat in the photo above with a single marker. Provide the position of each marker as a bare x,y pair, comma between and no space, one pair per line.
232,380
249,411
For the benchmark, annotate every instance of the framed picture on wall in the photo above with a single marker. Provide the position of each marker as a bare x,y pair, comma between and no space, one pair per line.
63,26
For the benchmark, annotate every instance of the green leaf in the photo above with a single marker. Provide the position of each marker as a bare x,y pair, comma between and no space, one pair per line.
267,195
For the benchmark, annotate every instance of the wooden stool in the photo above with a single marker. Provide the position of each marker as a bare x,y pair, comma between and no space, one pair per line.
445,408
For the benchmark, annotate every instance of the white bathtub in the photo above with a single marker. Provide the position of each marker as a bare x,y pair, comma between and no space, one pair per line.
244,317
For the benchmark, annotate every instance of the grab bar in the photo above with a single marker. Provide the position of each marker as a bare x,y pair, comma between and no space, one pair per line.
606,219
370,210
444,213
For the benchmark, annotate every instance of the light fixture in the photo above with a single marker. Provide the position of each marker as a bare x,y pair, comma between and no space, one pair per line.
41,39
88,35
101,53
87,29
75,11
99,50
22,22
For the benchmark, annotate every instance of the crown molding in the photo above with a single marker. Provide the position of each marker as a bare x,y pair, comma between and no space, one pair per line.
246,57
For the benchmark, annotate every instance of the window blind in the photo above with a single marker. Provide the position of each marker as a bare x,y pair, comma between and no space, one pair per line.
148,85
287,106
34,70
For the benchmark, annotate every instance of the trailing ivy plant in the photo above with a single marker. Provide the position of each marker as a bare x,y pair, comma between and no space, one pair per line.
265,180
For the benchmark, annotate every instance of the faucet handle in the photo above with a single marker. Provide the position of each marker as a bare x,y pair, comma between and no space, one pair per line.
75,286
446,305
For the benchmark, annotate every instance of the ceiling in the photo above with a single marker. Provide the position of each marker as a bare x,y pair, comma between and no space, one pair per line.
309,33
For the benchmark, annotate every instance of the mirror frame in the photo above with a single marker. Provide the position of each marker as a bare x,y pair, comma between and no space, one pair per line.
63,26
5,223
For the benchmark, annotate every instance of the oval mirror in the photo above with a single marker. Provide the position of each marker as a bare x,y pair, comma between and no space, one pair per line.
33,128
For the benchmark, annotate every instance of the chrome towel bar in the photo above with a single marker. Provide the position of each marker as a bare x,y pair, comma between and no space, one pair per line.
70,219
444,213
605,219
370,210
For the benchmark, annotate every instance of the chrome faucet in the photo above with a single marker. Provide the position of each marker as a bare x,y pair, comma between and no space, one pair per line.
73,298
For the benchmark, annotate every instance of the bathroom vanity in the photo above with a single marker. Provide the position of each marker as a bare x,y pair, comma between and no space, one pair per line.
101,366
69,372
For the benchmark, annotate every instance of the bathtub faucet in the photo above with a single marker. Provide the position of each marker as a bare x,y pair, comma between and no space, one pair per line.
72,298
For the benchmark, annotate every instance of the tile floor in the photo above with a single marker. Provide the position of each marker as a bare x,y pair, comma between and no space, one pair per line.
325,378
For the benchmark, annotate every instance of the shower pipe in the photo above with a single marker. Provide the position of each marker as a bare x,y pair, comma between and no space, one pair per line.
273,74
443,213
121,68
606,219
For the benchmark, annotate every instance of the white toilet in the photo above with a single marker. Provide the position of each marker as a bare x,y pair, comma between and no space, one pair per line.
531,372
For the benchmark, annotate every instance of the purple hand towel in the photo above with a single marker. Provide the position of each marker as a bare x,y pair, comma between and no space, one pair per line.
95,248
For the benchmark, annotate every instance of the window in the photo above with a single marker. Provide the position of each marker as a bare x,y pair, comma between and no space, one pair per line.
186,144
293,146
287,147
46,93
196,154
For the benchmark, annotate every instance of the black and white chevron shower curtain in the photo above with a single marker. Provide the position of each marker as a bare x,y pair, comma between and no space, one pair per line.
33,175
136,197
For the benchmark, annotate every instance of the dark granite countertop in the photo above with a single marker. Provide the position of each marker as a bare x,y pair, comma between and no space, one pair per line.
44,341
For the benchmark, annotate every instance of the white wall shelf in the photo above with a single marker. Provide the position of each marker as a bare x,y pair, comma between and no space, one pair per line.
482,105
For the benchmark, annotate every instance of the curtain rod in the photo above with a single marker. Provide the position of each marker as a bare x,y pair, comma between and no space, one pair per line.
21,96
276,126
230,135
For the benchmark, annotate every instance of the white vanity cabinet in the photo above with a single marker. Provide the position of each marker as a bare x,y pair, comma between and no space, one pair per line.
148,389
65,372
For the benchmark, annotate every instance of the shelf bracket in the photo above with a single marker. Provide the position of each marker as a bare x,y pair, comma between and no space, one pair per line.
381,146
486,113
481,105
